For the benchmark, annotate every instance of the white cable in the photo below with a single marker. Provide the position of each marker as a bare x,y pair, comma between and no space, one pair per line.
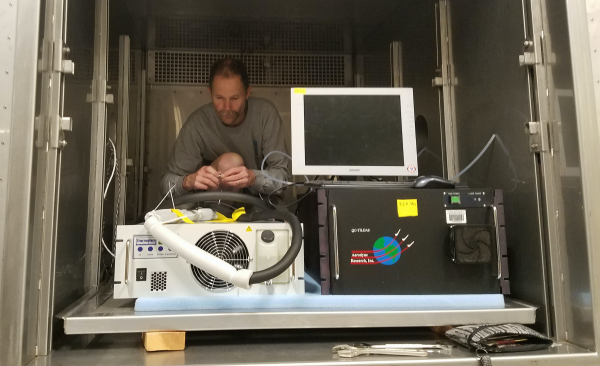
166,195
179,218
477,158
172,200
105,247
114,150
511,165
112,174
262,167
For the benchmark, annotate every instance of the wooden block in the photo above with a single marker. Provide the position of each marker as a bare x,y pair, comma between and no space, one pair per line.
441,330
164,341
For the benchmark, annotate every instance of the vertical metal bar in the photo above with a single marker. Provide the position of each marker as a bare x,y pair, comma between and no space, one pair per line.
450,135
136,150
440,90
550,192
142,143
95,199
19,295
49,154
122,128
542,219
335,242
359,74
396,51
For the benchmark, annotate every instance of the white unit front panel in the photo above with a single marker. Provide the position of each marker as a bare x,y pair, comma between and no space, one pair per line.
145,267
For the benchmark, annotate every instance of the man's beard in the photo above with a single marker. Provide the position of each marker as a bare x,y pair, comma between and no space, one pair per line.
232,115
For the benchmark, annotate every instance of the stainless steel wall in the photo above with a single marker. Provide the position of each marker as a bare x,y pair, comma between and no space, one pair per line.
567,161
492,97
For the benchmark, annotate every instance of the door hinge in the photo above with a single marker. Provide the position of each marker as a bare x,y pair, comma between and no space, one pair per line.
50,130
52,59
528,59
536,136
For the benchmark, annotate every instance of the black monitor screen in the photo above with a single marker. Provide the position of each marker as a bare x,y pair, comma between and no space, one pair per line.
353,130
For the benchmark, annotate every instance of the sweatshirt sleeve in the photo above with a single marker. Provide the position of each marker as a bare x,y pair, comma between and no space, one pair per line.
276,164
185,157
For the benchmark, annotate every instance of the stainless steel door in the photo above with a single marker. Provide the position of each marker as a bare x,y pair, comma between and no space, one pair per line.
487,93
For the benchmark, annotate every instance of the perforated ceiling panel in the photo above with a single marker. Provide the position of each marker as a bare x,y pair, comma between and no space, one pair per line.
249,36
181,67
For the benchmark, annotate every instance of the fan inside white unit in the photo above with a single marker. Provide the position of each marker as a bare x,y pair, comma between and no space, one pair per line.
226,246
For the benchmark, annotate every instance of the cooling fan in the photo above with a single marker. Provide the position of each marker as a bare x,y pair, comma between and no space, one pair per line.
224,245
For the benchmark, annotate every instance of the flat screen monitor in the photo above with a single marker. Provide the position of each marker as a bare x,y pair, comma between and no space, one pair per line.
353,131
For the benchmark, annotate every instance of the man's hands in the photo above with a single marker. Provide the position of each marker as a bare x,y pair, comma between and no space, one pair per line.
207,178
238,177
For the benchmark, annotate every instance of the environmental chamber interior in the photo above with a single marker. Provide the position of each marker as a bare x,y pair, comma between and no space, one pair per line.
338,43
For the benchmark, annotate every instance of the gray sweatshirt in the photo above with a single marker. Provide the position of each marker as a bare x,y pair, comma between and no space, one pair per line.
204,138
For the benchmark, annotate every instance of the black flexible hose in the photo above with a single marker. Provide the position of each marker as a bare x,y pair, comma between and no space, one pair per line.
292,252
215,196
268,214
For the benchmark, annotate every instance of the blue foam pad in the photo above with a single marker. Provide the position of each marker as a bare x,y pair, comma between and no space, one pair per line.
256,303
316,302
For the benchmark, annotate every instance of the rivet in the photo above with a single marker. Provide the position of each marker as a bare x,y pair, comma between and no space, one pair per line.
4,107
2,143
0,179
10,4
8,37
6,72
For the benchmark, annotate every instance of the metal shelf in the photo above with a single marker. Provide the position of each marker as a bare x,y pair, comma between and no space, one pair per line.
98,313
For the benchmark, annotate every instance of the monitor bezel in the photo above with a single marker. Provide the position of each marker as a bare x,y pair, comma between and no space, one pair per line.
299,167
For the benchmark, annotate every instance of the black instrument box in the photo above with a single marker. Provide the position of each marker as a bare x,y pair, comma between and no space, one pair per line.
376,241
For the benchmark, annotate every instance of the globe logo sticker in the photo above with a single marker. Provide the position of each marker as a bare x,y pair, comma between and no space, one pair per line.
411,169
386,250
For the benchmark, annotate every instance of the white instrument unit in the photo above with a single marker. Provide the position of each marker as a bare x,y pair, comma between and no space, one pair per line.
145,267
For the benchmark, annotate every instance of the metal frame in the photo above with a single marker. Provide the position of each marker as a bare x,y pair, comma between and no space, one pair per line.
139,84
536,82
18,299
553,220
141,144
447,84
122,129
396,64
589,144
99,98
50,141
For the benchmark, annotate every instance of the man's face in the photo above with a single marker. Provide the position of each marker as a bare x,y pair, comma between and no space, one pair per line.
229,99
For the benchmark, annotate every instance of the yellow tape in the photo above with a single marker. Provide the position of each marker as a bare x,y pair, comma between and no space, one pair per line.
299,90
236,214
180,214
407,208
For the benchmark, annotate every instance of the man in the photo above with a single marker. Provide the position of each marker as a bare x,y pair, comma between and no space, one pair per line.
222,144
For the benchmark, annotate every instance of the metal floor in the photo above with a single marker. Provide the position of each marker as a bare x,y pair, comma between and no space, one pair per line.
284,347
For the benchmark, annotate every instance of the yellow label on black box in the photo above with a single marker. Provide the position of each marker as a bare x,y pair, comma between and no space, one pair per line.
407,208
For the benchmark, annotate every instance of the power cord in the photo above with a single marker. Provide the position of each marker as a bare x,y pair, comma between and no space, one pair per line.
114,156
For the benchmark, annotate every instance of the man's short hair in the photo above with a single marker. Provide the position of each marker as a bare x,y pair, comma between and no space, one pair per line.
228,67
